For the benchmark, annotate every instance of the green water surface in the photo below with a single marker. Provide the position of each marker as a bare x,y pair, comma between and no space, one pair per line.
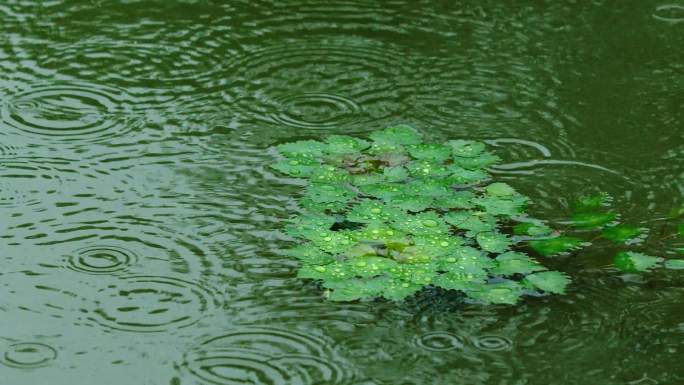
140,237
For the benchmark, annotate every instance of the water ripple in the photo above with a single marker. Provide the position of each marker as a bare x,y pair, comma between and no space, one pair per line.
153,304
26,181
101,259
28,355
492,343
439,341
316,110
266,356
347,83
669,13
70,111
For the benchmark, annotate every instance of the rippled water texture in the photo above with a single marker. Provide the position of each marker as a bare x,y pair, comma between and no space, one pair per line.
139,232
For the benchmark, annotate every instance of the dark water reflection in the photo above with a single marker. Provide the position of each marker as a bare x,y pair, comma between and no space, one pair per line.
139,228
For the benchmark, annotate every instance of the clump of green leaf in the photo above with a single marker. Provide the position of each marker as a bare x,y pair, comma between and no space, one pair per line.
389,216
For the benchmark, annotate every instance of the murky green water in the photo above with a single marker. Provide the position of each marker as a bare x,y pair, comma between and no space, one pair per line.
139,223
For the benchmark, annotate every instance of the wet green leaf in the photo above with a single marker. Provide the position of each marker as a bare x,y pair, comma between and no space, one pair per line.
504,292
367,211
477,162
680,229
461,176
366,179
310,254
402,135
473,221
343,144
591,220
379,232
298,167
499,206
412,203
456,200
621,233
493,242
674,264
516,263
556,245
368,266
455,280
329,174
398,290
631,261
433,188
395,174
302,149
428,169
421,224
500,190
326,193
385,191
334,242
550,281
592,202
322,208
305,223
532,229
466,148
386,218
431,152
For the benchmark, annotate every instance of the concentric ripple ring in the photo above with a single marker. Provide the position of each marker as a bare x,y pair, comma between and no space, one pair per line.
65,111
26,355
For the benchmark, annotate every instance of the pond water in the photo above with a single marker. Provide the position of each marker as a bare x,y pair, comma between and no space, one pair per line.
139,231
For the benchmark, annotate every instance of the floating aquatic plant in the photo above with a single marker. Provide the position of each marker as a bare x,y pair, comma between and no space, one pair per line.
389,216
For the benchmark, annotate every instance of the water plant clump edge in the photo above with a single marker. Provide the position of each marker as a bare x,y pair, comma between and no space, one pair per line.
391,215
